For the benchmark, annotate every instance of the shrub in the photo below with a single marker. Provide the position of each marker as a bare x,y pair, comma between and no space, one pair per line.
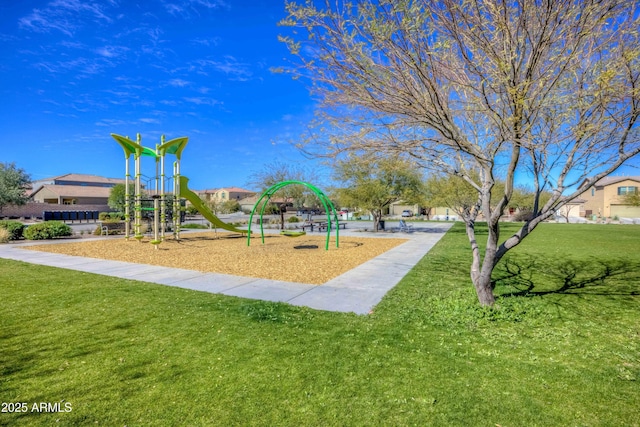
230,206
272,209
524,215
293,219
110,216
4,235
194,226
14,229
47,230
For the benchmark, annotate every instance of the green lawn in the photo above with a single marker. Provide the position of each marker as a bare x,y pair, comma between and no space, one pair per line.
563,348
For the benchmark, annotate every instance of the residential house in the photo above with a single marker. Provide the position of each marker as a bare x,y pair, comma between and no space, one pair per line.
224,194
73,189
606,198
397,208
573,209
248,203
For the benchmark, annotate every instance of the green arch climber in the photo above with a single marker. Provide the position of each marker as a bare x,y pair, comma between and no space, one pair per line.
328,207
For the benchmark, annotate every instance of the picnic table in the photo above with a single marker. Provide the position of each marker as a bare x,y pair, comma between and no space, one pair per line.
309,225
323,225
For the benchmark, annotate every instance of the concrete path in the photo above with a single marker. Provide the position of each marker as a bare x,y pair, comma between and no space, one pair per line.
358,290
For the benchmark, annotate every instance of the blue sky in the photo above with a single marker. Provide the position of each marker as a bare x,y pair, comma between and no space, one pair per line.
74,71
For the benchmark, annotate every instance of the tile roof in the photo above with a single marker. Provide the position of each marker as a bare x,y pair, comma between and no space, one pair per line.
85,178
229,189
254,198
237,190
75,190
608,180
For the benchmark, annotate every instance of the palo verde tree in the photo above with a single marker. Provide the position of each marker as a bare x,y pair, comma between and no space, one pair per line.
14,183
483,90
373,183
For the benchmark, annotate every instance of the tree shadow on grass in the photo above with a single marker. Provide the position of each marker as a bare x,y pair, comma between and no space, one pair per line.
538,275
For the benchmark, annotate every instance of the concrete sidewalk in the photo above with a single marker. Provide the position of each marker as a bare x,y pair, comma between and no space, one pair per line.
357,290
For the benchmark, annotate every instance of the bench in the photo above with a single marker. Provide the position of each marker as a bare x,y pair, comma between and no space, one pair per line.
107,228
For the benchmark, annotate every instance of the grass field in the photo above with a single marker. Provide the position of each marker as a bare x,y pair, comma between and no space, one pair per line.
562,348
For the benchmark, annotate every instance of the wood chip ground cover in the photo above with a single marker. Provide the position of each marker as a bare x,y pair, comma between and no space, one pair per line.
302,259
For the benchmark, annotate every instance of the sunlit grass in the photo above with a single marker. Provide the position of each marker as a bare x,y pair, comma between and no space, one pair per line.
130,353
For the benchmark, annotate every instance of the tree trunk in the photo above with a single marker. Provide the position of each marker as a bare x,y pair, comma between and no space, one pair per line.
377,215
483,287
480,271
482,266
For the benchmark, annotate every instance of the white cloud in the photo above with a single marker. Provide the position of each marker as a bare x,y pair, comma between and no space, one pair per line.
186,8
199,100
81,67
40,21
111,51
178,83
66,16
211,4
213,41
230,66
112,122
174,9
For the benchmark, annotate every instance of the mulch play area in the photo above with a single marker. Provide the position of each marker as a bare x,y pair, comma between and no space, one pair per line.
301,259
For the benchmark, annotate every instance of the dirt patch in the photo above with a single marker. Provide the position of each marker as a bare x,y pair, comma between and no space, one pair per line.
302,259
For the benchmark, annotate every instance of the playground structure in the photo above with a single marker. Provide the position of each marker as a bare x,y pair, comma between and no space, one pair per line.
330,210
179,189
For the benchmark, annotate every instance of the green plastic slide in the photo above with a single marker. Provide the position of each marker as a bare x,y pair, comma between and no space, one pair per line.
203,209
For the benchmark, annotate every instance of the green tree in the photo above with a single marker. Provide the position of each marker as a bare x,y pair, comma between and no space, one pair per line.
632,199
374,183
116,200
482,90
14,183
456,193
229,206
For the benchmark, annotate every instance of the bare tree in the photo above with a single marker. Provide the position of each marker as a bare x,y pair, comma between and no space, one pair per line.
276,172
547,90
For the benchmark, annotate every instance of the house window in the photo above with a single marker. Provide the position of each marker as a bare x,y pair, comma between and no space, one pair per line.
623,191
593,192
